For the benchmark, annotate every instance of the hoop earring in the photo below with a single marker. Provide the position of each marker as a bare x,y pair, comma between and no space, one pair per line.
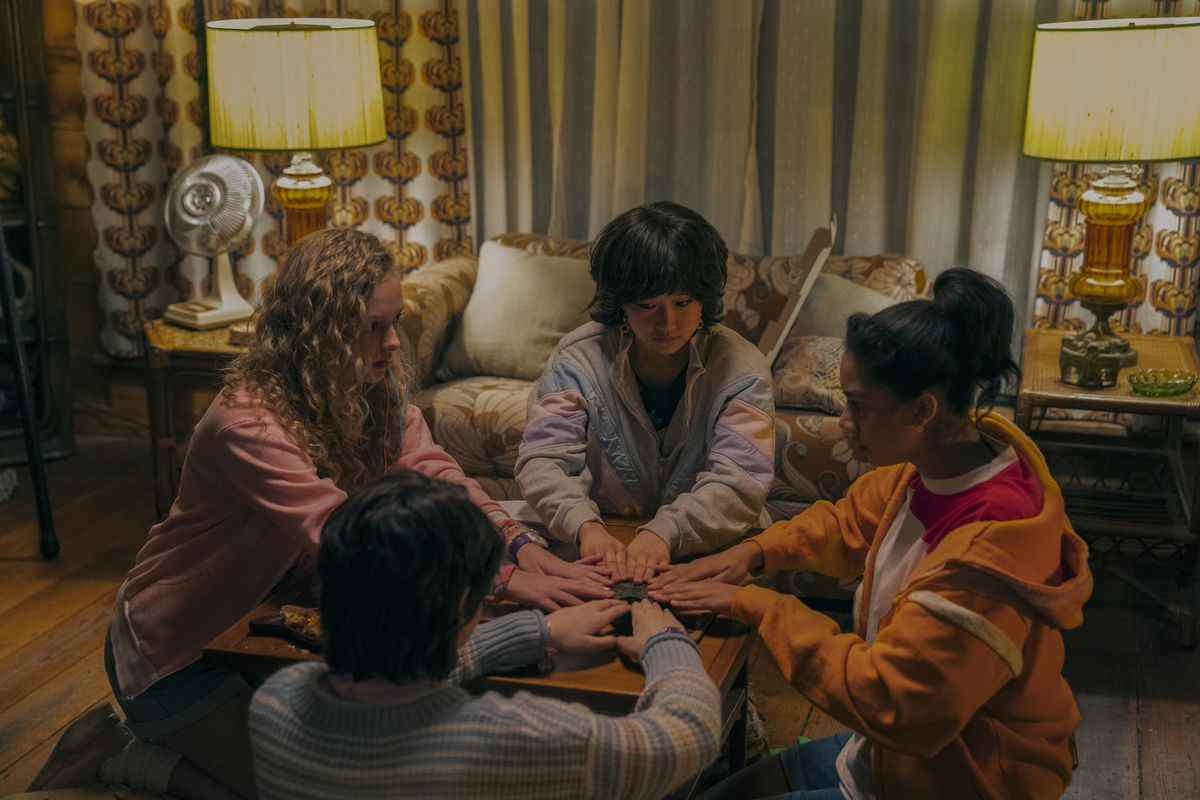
624,328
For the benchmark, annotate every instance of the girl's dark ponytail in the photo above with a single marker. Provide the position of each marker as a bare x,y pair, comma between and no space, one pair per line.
959,342
982,315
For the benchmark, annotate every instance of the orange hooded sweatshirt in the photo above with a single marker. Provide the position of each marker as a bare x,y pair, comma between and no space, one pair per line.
961,693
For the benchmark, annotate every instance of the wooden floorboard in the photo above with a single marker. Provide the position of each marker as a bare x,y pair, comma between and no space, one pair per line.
1168,716
1102,667
48,607
783,709
820,725
17,777
53,615
53,653
24,725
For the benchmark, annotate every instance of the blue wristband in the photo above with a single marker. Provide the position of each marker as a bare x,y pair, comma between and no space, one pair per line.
519,541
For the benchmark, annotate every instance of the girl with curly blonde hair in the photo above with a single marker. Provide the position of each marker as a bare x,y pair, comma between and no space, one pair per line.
315,410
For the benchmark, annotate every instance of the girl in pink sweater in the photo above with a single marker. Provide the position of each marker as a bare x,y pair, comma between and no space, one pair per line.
315,410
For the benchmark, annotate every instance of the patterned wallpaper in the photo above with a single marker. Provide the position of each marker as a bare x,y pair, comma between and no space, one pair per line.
1166,246
142,82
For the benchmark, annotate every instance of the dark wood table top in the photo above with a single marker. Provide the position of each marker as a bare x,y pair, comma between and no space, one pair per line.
612,685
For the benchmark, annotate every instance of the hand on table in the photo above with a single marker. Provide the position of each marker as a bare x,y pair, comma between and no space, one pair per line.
586,628
595,540
551,592
537,559
731,566
712,596
646,555
648,619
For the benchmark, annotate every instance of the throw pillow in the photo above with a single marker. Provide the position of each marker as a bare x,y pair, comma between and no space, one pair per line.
522,304
831,302
806,374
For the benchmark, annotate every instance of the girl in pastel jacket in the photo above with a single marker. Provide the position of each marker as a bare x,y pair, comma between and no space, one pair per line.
654,410
951,681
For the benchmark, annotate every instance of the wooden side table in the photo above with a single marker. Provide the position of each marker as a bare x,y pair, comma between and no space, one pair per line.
173,353
1124,510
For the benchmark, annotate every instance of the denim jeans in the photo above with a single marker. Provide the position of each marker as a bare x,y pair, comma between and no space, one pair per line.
176,701
812,769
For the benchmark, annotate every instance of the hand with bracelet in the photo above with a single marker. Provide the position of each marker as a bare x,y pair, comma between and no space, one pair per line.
649,620
544,580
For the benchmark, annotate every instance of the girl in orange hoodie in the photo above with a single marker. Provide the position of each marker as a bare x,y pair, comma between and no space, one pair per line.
951,681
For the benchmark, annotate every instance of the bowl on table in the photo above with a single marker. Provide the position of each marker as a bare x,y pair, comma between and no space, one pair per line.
1161,382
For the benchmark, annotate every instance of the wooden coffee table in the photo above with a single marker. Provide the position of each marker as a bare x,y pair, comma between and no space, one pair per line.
610,687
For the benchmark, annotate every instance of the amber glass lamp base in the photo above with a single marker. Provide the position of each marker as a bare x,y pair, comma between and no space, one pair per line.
304,191
1105,285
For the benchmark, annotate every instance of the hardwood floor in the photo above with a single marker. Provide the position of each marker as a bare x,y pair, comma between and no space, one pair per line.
1138,691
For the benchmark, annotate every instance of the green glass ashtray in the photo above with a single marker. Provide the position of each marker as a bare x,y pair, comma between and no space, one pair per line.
1161,382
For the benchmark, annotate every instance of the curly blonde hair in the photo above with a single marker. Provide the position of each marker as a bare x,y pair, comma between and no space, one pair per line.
303,365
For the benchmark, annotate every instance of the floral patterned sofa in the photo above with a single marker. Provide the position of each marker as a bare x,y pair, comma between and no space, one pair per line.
479,420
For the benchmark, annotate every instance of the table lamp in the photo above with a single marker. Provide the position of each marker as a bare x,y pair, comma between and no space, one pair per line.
299,84
1116,91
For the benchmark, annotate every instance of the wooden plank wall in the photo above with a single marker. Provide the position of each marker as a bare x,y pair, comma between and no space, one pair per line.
73,195
108,398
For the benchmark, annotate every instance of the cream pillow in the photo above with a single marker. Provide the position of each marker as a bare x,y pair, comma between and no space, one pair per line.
831,302
521,306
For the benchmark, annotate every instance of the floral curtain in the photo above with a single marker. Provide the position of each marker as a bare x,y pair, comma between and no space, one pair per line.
146,117
1166,247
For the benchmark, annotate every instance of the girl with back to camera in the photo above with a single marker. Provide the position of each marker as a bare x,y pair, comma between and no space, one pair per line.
951,681
312,412
654,410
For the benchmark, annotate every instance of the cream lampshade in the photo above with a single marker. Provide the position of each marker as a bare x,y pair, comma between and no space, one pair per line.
1111,91
297,84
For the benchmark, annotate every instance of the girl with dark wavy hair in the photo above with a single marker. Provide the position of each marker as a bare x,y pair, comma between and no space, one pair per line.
311,413
654,410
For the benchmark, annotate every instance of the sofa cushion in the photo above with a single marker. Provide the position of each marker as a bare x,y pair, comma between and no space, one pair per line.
479,421
899,277
812,462
806,374
434,296
522,305
757,291
831,302
544,245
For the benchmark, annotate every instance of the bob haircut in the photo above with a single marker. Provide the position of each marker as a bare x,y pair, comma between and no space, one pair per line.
403,565
959,342
661,248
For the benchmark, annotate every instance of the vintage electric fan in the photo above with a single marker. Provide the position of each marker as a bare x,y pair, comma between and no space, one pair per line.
210,209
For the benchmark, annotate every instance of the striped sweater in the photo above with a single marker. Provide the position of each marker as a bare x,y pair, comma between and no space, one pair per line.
309,742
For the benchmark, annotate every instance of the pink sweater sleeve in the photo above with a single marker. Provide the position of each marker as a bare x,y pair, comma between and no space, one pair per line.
422,454
271,474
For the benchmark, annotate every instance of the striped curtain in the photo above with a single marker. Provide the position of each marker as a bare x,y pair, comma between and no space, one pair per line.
904,119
